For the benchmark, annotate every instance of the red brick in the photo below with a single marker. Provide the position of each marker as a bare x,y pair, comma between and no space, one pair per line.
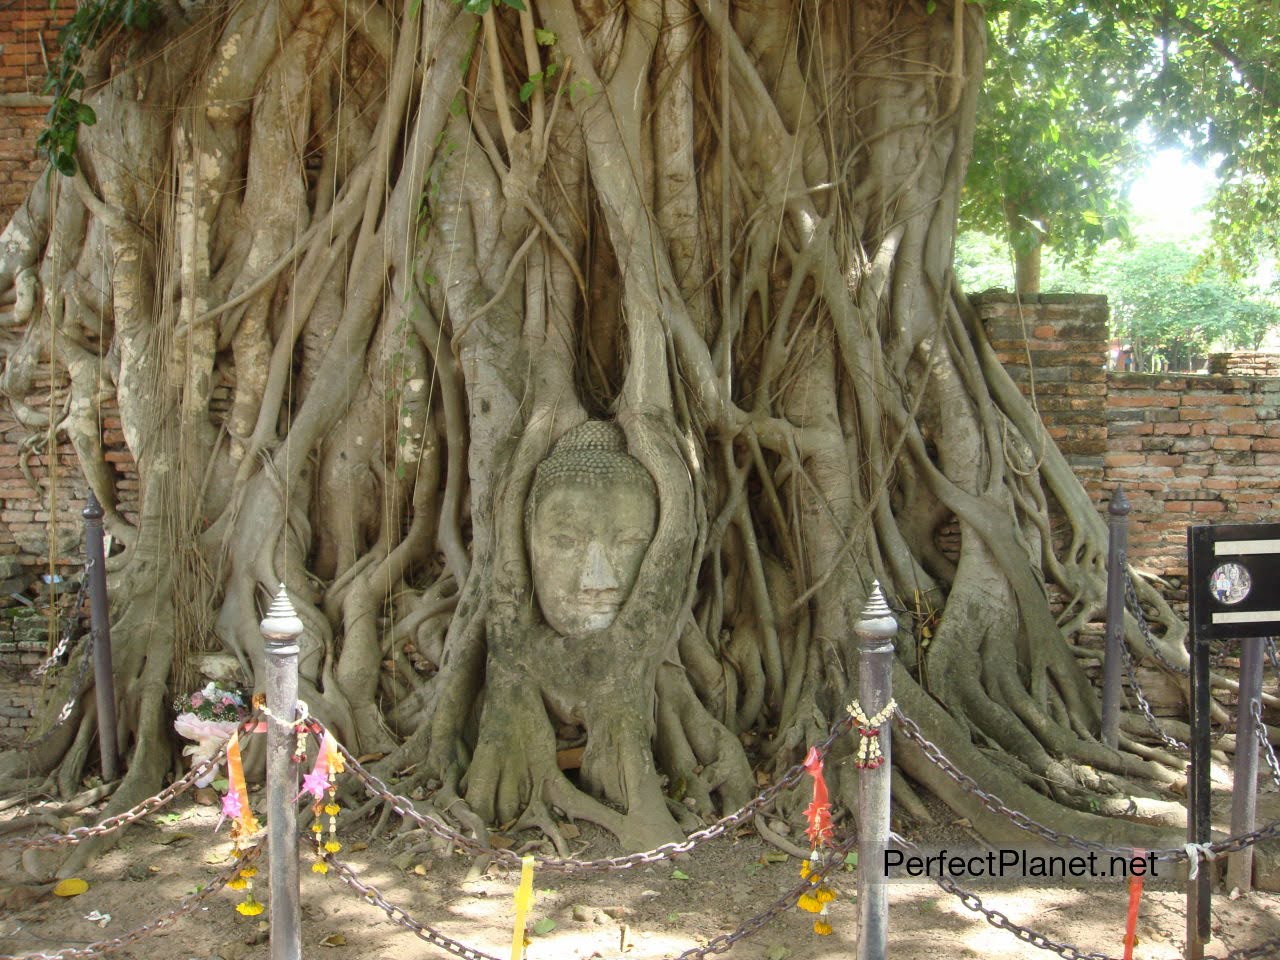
1234,443
1208,506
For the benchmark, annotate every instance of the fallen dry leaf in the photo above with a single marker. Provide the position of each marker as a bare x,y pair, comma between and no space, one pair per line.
70,887
334,940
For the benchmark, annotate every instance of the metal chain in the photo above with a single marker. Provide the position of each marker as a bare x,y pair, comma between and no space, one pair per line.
997,806
111,824
399,916
67,631
720,944
999,920
404,806
77,687
1268,752
1135,608
1144,705
187,905
1267,949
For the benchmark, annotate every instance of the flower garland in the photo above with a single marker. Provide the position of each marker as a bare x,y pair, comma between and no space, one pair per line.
869,754
235,806
819,895
322,780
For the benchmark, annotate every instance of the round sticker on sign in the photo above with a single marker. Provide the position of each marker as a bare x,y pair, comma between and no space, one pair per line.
1229,583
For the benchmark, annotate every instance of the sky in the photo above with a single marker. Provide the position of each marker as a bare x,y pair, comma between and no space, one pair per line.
1168,198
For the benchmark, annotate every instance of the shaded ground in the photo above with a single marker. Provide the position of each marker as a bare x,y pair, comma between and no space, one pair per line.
646,912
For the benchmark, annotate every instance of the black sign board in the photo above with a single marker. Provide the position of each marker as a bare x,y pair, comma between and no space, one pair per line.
1235,580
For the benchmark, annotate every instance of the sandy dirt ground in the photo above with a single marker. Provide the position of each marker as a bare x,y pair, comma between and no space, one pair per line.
647,912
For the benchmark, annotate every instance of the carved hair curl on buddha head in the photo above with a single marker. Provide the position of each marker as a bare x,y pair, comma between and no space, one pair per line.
591,513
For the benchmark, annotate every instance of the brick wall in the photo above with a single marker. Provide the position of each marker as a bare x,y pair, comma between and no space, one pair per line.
28,33
1054,347
1190,449
1187,448
1245,364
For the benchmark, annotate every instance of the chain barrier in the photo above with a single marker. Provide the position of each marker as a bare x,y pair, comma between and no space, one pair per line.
111,824
1263,951
77,687
399,915
1135,607
1019,819
14,743
68,630
999,920
1268,752
720,944
186,906
404,806
1145,706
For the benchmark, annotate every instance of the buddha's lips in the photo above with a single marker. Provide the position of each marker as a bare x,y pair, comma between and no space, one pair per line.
597,603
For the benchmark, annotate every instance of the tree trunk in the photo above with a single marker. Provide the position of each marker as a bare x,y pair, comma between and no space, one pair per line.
423,248
1026,269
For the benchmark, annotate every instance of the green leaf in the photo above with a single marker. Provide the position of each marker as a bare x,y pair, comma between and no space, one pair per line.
545,925
85,114
678,874
551,71
220,784
514,4
526,90
930,7
545,38
851,858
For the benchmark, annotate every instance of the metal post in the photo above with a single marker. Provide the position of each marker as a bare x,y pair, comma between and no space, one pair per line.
100,623
1198,789
1244,784
280,631
876,630
1117,556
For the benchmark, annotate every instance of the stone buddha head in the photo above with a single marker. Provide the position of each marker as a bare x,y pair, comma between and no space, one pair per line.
591,514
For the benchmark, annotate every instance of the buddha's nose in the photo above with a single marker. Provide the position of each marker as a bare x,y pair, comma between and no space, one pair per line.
598,575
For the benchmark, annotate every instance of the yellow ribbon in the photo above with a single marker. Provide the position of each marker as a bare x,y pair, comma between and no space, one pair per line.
524,900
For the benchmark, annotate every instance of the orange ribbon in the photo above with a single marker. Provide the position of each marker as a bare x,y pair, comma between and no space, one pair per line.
1135,899
235,782
818,812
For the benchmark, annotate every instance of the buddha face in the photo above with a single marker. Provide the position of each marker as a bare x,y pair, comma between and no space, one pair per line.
586,544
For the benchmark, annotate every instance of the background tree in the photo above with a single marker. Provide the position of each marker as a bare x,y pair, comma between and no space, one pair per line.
1170,303
1054,146
1077,91
418,243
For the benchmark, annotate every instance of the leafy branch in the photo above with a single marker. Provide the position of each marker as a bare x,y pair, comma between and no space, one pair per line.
91,23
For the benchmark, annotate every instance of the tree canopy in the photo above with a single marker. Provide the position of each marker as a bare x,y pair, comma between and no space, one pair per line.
1073,91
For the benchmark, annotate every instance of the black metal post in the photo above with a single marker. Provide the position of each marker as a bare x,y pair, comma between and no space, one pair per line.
100,614
876,629
280,631
1244,780
1112,664
1199,890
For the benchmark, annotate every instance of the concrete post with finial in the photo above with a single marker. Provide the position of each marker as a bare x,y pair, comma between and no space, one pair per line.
280,632
875,629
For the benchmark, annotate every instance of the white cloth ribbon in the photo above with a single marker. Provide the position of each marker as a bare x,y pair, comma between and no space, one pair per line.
1194,852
